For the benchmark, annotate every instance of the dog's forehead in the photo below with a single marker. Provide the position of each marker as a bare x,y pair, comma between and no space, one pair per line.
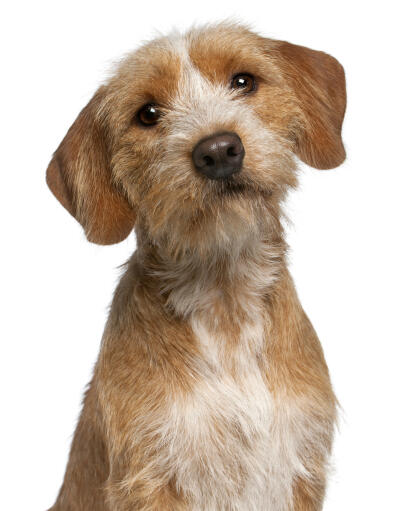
151,72
157,67
220,53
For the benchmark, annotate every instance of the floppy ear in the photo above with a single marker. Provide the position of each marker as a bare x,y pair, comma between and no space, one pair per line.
318,82
79,175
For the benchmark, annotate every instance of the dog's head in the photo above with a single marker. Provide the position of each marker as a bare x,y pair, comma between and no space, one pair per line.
193,138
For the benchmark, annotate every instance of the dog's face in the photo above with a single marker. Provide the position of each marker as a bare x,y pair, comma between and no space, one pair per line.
193,139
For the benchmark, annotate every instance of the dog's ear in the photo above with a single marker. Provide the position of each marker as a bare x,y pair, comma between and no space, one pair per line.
318,82
79,175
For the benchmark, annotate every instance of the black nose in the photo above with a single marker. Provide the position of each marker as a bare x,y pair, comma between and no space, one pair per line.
219,156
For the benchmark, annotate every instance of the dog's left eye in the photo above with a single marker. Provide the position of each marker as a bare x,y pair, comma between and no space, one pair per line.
243,82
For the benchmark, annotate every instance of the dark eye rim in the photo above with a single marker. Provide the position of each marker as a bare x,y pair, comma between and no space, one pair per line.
250,76
144,124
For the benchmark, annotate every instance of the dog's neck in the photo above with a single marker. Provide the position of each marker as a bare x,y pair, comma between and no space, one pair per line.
221,282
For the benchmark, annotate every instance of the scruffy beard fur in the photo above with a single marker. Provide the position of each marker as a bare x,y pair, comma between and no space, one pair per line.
211,391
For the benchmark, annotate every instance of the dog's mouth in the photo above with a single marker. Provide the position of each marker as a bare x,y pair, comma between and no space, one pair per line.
235,187
230,187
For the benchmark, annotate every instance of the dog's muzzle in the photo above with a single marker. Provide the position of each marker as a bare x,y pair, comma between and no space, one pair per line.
219,156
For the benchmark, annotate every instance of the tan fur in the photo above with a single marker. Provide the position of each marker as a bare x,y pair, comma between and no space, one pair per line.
211,391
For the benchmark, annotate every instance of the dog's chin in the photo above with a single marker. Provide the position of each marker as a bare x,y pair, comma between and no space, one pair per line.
216,217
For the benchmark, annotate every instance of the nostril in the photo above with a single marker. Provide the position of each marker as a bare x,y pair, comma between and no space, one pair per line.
231,151
208,160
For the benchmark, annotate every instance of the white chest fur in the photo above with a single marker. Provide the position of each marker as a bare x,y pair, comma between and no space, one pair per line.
230,445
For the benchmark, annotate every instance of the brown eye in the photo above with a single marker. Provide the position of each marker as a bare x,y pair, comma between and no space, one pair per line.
244,82
148,115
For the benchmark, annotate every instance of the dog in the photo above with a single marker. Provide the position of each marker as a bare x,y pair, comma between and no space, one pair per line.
211,391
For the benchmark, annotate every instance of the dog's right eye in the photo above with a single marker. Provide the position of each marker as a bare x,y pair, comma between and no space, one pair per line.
148,115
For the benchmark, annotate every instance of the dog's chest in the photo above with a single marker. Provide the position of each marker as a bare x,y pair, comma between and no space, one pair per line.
231,447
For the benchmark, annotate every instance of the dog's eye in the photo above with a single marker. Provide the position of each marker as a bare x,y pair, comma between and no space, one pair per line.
148,115
243,82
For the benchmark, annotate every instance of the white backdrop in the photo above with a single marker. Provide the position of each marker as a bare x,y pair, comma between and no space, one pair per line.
348,243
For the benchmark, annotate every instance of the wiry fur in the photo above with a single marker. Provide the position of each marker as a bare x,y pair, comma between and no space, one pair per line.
211,391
